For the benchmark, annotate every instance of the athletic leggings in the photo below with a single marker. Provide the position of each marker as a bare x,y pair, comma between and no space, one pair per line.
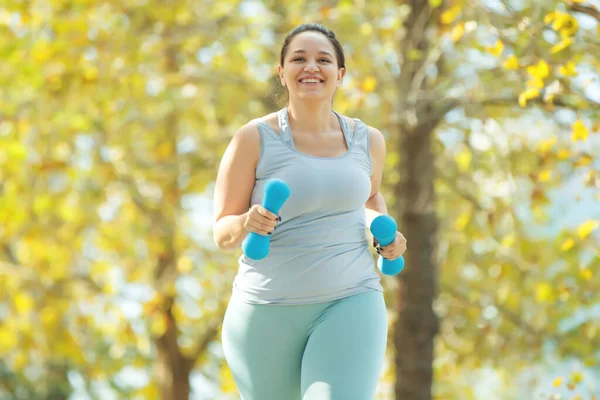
325,351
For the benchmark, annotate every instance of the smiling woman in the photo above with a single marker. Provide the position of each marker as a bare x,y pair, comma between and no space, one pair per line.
333,339
311,58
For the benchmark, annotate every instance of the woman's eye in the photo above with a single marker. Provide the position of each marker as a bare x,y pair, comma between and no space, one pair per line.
321,60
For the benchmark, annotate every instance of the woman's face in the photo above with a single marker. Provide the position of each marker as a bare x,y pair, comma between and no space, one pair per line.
310,69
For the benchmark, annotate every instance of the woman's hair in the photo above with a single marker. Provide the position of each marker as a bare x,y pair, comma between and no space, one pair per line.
339,52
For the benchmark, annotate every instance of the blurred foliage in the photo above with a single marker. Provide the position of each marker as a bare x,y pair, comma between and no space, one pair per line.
113,118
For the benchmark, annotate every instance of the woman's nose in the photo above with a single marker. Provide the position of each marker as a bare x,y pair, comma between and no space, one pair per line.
311,66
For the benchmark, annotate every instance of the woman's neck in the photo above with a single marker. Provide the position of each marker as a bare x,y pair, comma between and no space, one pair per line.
313,118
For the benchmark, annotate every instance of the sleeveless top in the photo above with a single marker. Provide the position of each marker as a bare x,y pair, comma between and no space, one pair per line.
319,251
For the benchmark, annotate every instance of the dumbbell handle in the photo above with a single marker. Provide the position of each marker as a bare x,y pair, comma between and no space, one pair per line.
276,193
384,229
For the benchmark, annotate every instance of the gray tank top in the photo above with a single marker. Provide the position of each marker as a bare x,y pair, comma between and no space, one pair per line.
319,251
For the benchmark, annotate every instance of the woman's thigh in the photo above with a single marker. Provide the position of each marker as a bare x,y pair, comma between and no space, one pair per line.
263,347
344,356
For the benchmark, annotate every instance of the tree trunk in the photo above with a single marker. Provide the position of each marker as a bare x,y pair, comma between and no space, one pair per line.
172,369
417,324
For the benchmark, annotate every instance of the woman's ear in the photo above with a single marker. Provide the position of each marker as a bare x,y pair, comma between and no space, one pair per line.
341,74
280,73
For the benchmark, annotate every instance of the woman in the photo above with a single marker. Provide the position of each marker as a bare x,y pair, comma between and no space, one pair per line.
308,321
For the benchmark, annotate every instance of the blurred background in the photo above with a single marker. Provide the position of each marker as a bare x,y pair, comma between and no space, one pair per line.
113,118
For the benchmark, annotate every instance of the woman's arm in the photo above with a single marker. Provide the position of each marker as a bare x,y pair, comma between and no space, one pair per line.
233,187
376,206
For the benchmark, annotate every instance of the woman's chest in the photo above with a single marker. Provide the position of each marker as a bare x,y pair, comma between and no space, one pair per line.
330,186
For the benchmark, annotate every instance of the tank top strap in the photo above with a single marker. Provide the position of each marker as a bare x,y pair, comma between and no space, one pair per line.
348,134
361,132
285,132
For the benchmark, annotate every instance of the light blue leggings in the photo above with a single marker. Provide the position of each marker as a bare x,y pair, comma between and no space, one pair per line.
326,351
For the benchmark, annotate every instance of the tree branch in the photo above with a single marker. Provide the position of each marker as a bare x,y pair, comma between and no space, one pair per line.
512,100
9,254
510,315
461,193
590,10
211,330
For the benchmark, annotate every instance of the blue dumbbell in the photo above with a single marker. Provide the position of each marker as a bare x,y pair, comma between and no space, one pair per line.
276,193
384,229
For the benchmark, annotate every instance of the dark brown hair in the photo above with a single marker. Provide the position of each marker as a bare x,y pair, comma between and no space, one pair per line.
341,60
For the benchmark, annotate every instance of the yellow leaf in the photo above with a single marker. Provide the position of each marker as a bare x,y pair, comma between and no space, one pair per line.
586,228
563,22
567,244
8,340
583,160
580,131
547,144
89,72
586,274
414,54
535,83
508,240
41,52
549,17
366,29
42,204
369,84
528,95
462,221
148,392
543,293
576,377
435,3
545,175
457,32
557,382
596,127
563,154
21,360
23,303
451,14
539,71
164,151
571,387
99,268
48,317
17,152
561,45
158,324
184,265
497,49
568,69
511,62
463,159
109,288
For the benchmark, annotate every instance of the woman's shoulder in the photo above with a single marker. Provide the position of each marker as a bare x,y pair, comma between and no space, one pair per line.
374,134
350,122
353,121
270,119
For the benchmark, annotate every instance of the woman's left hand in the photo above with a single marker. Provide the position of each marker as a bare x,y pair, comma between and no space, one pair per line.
392,250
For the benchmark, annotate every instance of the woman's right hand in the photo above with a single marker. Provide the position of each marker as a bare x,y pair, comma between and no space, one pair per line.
260,220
